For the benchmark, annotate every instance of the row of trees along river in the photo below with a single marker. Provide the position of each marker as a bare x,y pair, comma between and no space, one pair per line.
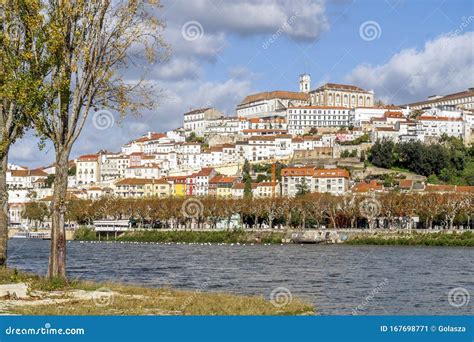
386,210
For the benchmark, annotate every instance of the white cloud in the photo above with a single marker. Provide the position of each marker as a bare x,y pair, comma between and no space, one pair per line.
178,69
444,65
250,17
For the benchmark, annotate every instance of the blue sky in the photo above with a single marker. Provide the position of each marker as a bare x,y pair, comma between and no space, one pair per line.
419,48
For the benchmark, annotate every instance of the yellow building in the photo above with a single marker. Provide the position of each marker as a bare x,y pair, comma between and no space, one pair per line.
221,186
139,187
178,184
342,95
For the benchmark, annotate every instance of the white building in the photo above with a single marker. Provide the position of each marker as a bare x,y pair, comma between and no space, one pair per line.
146,171
461,100
302,119
198,120
113,166
87,169
436,126
24,179
266,189
137,146
222,126
363,115
333,181
330,180
270,104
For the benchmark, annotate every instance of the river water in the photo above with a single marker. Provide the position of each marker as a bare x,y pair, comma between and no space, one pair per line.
337,279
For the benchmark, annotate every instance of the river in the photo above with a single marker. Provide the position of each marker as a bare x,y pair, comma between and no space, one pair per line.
337,279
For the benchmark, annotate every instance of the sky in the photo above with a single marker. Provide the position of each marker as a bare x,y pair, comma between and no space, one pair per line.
224,50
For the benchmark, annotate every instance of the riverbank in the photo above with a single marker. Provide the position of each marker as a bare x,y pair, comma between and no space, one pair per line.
231,236
354,237
454,239
34,295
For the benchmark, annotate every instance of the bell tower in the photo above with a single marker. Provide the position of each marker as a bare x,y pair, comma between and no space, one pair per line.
305,83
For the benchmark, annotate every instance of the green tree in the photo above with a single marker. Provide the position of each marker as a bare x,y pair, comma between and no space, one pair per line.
49,180
247,179
345,154
262,178
381,154
302,188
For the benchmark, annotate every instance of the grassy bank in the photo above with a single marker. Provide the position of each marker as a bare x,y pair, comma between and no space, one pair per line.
90,298
234,236
415,239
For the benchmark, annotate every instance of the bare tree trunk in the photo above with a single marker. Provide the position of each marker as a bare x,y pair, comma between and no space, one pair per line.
3,211
57,256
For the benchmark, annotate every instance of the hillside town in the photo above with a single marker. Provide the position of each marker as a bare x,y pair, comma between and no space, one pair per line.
278,143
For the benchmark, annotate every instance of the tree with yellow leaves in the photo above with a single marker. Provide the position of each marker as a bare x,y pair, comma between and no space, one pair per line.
88,44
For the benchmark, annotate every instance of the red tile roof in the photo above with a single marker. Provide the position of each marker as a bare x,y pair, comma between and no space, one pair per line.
205,171
405,183
29,173
197,111
88,157
241,186
366,187
222,179
341,87
277,94
298,171
390,114
437,118
331,173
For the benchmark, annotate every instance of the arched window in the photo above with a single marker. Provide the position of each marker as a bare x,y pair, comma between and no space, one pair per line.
345,99
338,98
353,100
361,100
367,101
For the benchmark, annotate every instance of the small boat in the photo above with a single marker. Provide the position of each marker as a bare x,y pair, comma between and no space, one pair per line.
20,235
32,235
40,235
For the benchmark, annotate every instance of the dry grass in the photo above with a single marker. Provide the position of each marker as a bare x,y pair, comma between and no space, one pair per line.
88,298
